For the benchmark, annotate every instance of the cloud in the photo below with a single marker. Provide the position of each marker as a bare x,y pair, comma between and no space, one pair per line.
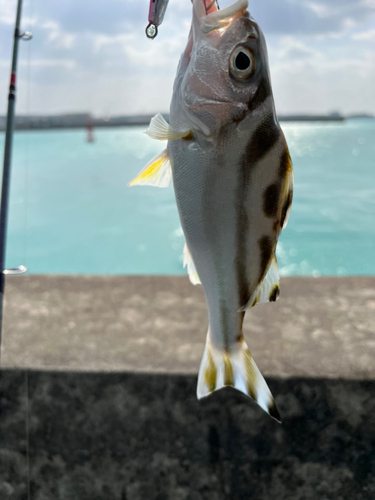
323,83
7,12
368,36
311,17
290,48
94,56
57,36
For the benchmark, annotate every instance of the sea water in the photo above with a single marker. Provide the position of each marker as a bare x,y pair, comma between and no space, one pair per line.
71,210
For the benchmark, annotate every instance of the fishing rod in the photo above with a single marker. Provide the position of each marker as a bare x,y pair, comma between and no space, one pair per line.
4,204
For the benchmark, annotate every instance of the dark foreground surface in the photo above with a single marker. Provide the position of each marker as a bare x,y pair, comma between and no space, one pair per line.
132,436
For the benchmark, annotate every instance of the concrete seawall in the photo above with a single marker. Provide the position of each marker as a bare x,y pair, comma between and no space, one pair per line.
98,393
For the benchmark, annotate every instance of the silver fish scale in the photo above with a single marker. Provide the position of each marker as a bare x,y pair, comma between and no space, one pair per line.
220,202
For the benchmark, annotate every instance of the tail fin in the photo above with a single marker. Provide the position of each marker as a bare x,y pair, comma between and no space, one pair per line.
236,369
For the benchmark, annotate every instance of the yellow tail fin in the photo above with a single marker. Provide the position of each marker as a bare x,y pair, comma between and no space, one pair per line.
235,369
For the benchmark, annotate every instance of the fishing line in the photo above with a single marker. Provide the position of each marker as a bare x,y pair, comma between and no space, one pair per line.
26,228
27,149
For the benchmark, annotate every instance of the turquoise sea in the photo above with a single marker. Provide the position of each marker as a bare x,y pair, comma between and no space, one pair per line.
71,212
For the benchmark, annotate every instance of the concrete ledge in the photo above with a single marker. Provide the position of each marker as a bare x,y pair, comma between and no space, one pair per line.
132,436
319,327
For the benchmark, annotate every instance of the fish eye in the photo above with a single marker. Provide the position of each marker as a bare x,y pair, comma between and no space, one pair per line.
241,62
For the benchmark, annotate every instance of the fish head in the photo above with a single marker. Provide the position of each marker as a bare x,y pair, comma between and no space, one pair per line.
223,73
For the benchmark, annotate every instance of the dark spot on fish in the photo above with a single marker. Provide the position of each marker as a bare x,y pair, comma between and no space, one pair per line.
188,136
275,292
256,300
271,199
266,252
224,321
262,92
240,339
273,411
285,164
251,392
228,371
286,207
263,139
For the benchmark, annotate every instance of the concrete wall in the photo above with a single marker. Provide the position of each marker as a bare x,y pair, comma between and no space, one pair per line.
98,394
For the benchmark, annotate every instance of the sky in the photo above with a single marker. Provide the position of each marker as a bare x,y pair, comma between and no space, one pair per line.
93,55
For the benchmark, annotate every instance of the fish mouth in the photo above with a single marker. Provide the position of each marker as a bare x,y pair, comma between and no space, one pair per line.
213,19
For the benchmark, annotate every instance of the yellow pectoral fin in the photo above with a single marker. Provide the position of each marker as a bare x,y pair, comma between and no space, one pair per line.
157,173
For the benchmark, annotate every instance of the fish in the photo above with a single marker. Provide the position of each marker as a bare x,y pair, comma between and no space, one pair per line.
233,180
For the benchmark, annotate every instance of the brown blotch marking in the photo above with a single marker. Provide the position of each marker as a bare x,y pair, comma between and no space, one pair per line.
271,199
266,247
262,141
210,372
273,411
251,376
275,292
240,339
263,91
285,164
188,136
228,371
256,300
286,207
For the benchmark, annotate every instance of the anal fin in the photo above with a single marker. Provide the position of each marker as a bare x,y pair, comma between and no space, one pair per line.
189,263
268,289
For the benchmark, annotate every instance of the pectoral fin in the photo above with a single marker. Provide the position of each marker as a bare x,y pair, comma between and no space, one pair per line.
160,129
158,172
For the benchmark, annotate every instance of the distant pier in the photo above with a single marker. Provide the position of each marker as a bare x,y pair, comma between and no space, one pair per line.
80,120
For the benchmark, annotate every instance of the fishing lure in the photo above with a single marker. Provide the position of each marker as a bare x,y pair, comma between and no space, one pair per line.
157,11
156,15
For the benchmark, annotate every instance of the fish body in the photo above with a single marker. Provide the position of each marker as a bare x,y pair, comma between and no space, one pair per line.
233,182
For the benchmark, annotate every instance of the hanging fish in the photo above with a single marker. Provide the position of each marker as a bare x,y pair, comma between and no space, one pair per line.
233,182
